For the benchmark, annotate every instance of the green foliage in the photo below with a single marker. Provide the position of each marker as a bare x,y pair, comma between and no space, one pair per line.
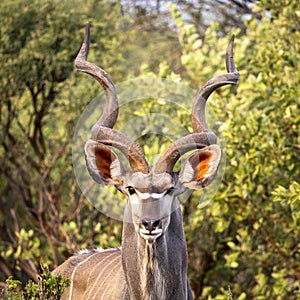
243,244
48,287
248,238
39,196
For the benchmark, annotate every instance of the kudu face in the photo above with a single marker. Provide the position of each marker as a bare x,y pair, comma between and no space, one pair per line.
150,202
152,197
152,191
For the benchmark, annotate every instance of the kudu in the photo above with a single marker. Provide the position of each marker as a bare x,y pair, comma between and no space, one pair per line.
152,263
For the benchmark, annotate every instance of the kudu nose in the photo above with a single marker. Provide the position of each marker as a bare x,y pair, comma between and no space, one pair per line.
150,225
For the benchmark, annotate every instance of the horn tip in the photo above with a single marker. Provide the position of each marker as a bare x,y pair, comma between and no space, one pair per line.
230,66
84,50
87,33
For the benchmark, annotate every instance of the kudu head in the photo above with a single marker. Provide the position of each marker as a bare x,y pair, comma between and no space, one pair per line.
151,190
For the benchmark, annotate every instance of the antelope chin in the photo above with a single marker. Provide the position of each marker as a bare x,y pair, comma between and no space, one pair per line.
150,237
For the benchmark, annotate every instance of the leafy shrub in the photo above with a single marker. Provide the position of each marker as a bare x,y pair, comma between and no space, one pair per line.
248,238
49,287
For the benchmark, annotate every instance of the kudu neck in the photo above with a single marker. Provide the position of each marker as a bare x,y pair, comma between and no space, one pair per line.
157,270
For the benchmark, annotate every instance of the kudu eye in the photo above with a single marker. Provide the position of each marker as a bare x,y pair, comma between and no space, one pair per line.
170,190
131,190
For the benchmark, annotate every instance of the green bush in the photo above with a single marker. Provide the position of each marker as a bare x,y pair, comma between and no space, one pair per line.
244,244
248,238
48,287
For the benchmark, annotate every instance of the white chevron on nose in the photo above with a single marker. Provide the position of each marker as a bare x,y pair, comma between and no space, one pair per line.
145,196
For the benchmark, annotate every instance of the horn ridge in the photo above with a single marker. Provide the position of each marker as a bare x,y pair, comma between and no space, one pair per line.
111,110
203,135
178,148
102,131
118,140
198,112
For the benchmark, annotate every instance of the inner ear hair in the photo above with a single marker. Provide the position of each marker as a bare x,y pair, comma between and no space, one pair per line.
103,163
200,168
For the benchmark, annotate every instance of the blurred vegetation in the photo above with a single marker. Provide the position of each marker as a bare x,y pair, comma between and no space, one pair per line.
249,237
50,287
246,242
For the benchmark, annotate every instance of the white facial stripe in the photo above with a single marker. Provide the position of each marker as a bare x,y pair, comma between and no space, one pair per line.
157,196
153,232
135,199
145,196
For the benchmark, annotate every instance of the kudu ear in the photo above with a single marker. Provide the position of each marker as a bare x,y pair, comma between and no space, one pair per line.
103,164
200,168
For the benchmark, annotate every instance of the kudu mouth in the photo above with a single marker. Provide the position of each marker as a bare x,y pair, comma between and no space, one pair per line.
150,236
150,230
